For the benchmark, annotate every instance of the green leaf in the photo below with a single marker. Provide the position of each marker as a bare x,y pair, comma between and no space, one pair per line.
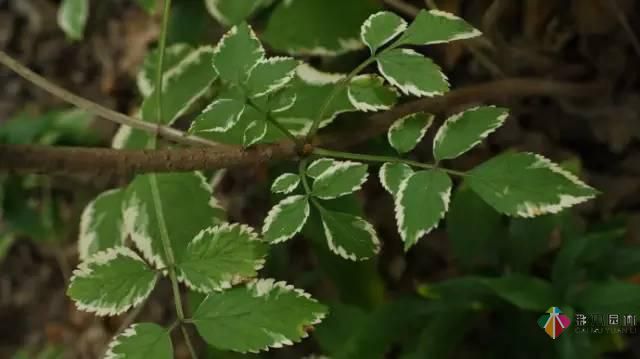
282,101
610,297
233,12
527,185
130,138
236,53
368,93
141,341
319,166
473,228
220,116
300,26
254,133
261,315
285,183
286,219
412,73
222,256
72,17
173,55
421,202
528,293
442,335
187,207
101,224
351,237
184,84
435,27
463,131
340,179
405,134
271,75
147,5
381,28
110,282
392,175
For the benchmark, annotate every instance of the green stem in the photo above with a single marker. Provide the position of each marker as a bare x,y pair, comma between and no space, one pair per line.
303,175
275,123
381,159
155,190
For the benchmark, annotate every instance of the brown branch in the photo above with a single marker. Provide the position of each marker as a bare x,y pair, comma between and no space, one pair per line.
50,160
166,132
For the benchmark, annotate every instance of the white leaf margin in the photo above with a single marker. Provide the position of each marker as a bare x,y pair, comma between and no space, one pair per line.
86,236
409,88
280,83
384,178
341,251
275,212
318,162
444,129
84,270
400,123
249,141
342,166
460,36
232,32
366,26
445,197
228,124
231,279
283,177
365,106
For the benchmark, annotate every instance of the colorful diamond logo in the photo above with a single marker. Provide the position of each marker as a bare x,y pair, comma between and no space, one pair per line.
554,322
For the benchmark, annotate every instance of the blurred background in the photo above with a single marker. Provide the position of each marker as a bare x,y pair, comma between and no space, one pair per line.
474,288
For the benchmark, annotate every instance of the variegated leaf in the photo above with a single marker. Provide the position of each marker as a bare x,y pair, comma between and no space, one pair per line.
286,219
412,73
340,179
141,341
435,26
380,28
219,116
236,53
392,175
405,134
285,183
254,133
270,75
351,237
368,93
319,166
101,224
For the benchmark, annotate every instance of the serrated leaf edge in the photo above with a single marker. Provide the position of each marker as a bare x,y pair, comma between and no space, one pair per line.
276,183
279,84
399,124
461,36
383,176
312,76
341,251
133,209
86,236
364,106
275,211
410,88
232,32
246,141
337,166
367,24
230,122
317,162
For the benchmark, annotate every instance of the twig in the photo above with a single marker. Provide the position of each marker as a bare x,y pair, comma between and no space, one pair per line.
166,132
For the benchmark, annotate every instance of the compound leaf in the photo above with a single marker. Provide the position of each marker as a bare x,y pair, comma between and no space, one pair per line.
405,134
264,314
463,131
101,224
286,219
435,26
141,341
236,53
421,202
219,257
342,178
285,183
349,236
110,282
368,93
412,73
527,185
380,28
392,175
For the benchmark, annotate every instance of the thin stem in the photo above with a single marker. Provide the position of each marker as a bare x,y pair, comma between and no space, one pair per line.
303,175
283,129
381,159
155,190
99,110
334,92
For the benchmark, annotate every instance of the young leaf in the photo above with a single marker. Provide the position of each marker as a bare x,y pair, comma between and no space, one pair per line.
319,166
72,17
219,116
183,85
111,282
435,26
380,28
270,75
349,236
219,257
405,134
368,93
421,202
237,52
264,314
463,131
233,12
527,185
392,175
286,219
187,206
286,183
141,341
173,55
412,73
300,26
340,179
101,224
254,133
